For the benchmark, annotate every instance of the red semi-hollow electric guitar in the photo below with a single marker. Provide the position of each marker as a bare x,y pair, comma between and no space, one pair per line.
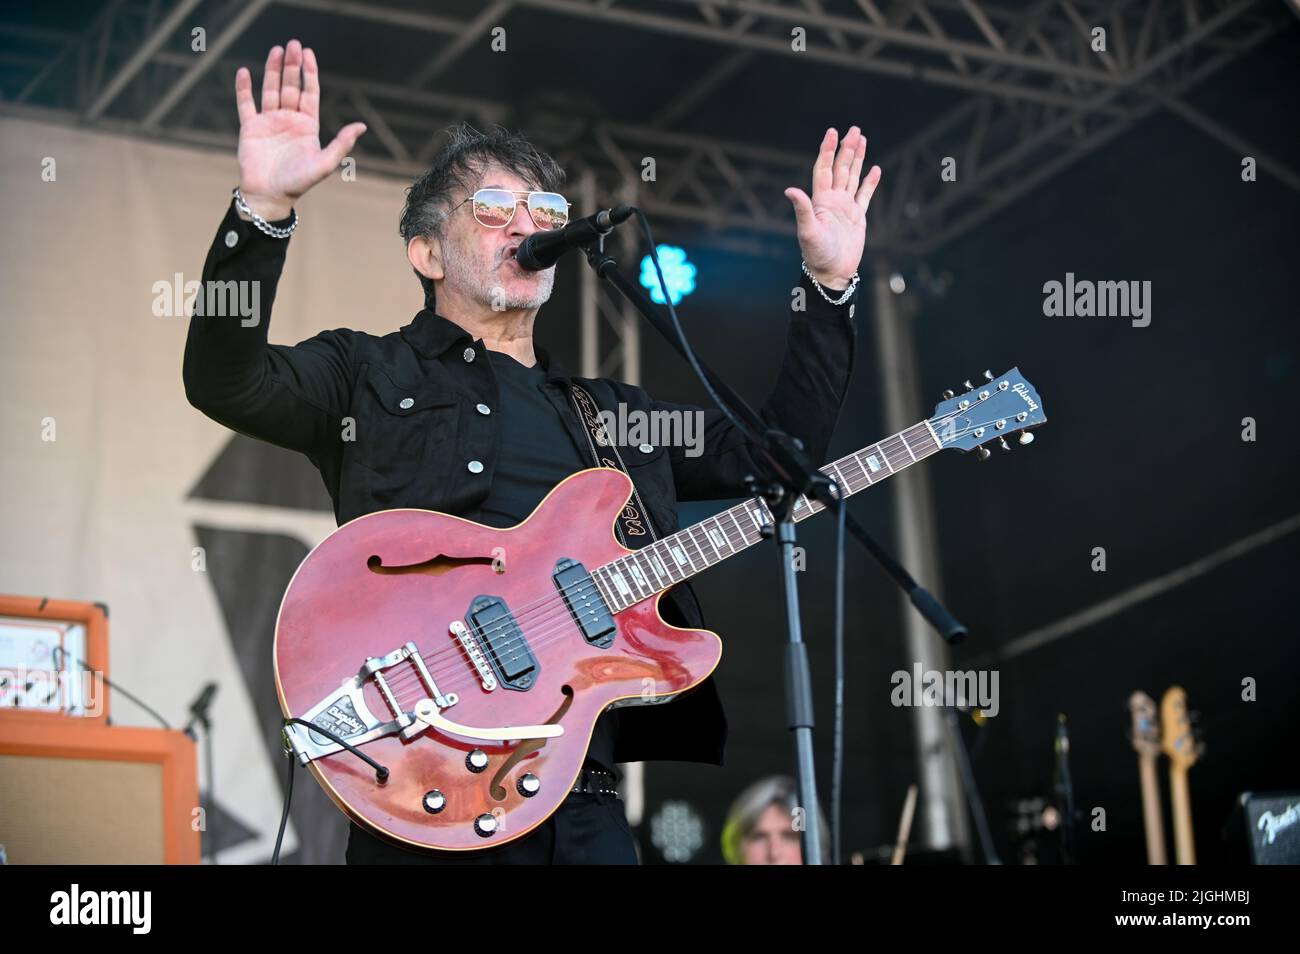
473,662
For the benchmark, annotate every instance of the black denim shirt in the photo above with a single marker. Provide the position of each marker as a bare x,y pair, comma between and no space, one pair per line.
421,440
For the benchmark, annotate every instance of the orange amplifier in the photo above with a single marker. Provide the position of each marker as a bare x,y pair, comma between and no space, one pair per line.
73,789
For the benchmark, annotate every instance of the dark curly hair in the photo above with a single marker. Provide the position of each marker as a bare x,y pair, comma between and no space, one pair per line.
457,168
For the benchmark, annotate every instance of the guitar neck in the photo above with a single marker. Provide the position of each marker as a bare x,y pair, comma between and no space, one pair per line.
1180,796
657,566
1151,815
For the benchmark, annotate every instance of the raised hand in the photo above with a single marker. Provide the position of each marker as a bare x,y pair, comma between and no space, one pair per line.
280,155
832,225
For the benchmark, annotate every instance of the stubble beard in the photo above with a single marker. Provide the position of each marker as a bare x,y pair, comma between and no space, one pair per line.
480,280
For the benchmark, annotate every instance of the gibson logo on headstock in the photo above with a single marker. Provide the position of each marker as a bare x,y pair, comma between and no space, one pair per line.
1024,394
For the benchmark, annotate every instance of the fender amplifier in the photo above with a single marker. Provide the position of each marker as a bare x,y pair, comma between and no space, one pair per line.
1269,822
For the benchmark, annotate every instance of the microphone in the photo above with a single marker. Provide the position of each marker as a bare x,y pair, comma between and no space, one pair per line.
543,249
199,708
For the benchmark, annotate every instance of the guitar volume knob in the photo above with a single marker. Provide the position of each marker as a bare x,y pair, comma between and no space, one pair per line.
485,826
434,801
528,785
476,761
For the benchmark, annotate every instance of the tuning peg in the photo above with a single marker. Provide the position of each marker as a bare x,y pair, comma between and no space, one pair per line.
983,453
988,375
1026,437
949,395
968,385
1002,442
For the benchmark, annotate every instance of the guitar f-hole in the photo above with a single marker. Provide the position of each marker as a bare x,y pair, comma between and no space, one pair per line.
528,747
433,567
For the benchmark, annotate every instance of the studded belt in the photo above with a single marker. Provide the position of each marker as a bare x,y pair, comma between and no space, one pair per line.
594,781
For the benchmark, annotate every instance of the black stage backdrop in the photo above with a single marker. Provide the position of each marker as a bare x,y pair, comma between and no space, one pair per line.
1142,455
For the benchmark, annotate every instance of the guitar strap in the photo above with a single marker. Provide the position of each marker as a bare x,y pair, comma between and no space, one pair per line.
634,525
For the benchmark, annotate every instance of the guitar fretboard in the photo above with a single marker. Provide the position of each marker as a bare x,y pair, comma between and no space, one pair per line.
657,566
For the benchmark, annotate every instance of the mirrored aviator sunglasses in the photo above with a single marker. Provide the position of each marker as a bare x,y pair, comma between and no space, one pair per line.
494,208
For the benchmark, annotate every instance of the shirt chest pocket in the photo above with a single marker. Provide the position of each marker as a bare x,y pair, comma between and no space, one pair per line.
405,432
643,458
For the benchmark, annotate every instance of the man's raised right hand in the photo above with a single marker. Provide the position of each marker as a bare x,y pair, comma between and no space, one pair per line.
280,155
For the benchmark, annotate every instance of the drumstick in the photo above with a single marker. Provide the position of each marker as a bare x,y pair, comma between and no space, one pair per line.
904,826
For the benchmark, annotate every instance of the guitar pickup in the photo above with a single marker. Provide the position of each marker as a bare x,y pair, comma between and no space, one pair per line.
498,633
586,605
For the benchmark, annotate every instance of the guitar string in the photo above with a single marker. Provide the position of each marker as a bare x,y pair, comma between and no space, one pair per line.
888,447
549,604
889,450
538,638
522,612
464,665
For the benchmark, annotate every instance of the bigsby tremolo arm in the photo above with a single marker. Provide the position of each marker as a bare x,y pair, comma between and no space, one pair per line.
427,712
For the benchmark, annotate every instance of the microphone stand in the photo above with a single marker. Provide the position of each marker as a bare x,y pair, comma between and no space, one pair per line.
798,674
974,804
199,710
1064,786
789,475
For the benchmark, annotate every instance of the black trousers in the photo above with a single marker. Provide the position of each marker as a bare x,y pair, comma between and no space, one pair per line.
587,829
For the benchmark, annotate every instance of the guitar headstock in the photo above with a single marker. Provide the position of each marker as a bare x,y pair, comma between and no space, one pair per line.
1146,725
1177,735
988,414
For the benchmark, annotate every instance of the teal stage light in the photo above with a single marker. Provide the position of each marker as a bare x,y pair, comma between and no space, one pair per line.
679,274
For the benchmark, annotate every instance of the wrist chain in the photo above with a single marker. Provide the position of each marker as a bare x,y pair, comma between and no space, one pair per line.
844,296
261,223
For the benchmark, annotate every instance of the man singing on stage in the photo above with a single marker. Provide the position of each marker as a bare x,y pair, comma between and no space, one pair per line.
460,411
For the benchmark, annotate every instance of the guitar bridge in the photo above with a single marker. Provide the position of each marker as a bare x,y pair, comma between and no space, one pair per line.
468,642
345,713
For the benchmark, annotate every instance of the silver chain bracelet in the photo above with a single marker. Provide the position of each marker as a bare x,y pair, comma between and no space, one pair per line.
261,223
848,292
